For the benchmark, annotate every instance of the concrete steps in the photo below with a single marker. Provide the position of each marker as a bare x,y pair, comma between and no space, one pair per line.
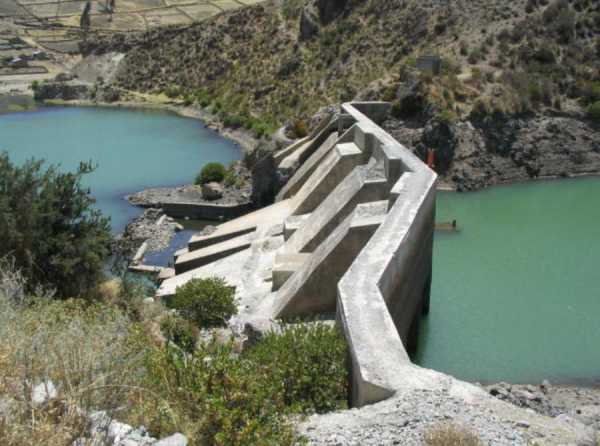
312,287
332,171
307,168
243,225
200,257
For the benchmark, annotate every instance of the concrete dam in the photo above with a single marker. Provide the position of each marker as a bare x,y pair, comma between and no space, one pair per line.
350,235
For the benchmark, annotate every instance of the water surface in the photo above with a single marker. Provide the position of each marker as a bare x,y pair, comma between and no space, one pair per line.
134,149
516,293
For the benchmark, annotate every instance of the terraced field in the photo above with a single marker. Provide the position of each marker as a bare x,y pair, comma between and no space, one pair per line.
54,24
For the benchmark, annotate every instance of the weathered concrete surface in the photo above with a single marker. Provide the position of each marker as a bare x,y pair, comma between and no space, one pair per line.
362,185
275,213
312,288
385,273
334,168
307,168
204,256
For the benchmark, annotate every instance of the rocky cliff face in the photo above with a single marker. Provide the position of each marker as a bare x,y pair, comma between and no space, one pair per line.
473,154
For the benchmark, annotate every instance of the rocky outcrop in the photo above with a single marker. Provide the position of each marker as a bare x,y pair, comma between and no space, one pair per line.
153,228
317,13
496,149
212,191
266,182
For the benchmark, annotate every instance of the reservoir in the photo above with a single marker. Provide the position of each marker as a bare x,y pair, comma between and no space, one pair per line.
133,149
516,292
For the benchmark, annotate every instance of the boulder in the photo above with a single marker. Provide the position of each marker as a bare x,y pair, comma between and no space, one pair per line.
212,191
173,440
43,392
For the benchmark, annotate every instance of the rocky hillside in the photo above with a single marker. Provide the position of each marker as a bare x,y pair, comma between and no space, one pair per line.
517,96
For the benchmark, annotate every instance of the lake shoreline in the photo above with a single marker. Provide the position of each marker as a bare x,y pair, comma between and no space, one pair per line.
241,137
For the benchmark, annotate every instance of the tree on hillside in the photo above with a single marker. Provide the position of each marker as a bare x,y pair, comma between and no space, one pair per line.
48,225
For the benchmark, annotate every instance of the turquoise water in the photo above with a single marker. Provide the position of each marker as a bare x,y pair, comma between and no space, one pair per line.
516,293
134,149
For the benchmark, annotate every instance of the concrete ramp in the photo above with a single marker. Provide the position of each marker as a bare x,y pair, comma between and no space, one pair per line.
332,171
312,289
277,212
204,256
307,168
361,186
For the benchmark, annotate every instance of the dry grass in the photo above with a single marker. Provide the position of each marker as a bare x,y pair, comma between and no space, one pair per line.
91,353
450,435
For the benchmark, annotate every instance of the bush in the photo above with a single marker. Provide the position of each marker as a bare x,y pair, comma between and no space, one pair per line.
48,224
180,332
447,116
218,397
450,435
295,359
593,111
299,128
211,172
173,92
205,302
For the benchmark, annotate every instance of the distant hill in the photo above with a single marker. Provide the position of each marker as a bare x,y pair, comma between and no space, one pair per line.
280,61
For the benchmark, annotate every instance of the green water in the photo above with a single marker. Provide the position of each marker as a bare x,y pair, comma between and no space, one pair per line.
134,149
516,293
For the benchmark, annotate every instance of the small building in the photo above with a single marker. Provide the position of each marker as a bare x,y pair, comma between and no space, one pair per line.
430,64
17,62
39,55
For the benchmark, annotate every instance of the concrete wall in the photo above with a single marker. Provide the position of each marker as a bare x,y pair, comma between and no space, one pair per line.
205,211
387,286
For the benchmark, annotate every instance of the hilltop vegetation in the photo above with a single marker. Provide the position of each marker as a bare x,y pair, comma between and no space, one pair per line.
517,97
284,59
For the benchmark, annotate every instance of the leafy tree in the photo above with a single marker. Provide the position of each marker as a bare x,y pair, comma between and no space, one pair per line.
593,111
48,225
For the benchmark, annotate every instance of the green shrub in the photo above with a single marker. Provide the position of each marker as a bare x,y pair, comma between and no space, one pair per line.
591,92
50,227
211,172
299,128
180,332
295,359
173,92
205,302
447,116
231,179
203,98
593,111
219,397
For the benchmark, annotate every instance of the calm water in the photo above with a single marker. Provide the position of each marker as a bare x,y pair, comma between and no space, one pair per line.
516,293
134,149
